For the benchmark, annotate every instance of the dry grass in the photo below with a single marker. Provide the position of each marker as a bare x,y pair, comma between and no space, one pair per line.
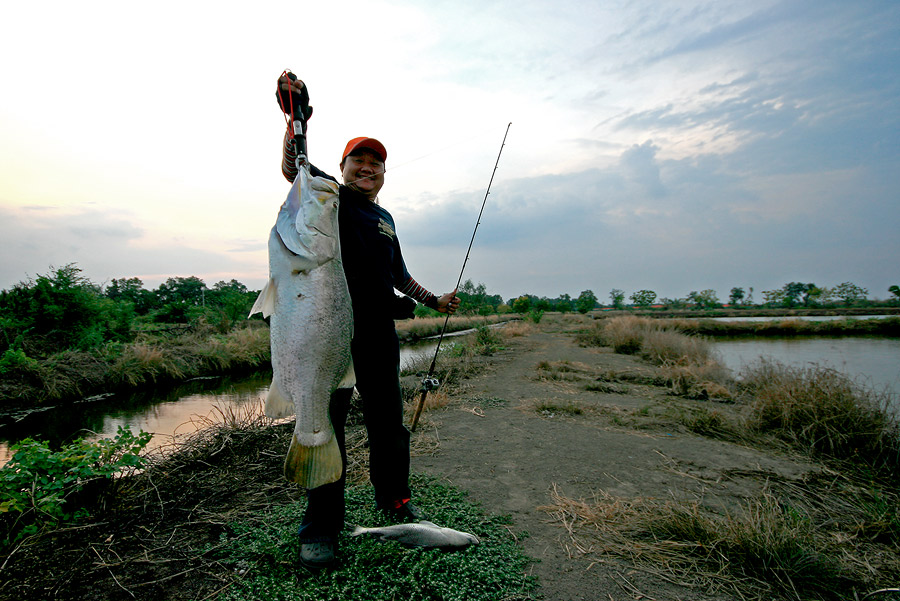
798,544
824,413
515,329
687,363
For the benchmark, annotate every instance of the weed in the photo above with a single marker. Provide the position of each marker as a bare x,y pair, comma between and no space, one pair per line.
535,315
367,570
41,489
767,549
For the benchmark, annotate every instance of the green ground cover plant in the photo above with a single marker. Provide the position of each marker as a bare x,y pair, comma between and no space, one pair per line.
265,550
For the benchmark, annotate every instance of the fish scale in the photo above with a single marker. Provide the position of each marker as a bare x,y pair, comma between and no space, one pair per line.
311,326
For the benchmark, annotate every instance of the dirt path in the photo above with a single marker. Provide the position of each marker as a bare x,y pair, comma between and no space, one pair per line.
516,432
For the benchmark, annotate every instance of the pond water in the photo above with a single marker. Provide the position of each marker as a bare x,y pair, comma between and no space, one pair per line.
873,362
166,413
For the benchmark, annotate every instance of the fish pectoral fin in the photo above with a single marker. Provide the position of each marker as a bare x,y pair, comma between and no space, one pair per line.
265,302
311,467
277,404
349,380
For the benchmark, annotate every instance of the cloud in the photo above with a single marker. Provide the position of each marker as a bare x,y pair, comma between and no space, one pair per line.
112,245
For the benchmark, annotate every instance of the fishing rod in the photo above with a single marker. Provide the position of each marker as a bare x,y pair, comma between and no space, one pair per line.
429,382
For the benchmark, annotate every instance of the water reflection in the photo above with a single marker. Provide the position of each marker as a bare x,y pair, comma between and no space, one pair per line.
871,361
161,411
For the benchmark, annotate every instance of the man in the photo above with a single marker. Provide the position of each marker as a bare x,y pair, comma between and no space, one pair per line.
374,267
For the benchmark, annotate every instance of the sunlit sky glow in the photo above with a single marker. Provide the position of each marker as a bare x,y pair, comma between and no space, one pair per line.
673,146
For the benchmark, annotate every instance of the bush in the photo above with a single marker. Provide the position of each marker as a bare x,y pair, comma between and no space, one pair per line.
40,488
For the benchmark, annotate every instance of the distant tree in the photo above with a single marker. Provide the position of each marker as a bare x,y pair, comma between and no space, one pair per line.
474,298
674,303
617,297
522,304
190,291
849,292
643,298
542,304
563,303
60,310
705,299
229,302
178,297
133,291
816,296
586,301
793,291
773,297
736,296
895,290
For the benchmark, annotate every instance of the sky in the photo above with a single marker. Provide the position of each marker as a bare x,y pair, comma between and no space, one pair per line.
672,146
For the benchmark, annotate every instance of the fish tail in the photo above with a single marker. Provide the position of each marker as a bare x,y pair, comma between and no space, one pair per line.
311,467
357,530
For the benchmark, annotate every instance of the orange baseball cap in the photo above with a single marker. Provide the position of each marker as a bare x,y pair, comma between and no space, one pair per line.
364,142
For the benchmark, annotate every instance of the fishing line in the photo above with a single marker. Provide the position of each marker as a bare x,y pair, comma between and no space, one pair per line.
429,382
422,157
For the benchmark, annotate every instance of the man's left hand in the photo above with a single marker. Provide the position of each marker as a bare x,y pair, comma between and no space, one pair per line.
448,303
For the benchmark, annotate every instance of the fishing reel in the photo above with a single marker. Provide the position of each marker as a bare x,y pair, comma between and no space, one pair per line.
429,384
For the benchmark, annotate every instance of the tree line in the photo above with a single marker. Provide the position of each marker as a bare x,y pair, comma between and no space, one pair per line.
65,310
791,295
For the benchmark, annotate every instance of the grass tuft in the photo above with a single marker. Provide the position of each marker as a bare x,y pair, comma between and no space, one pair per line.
823,412
768,548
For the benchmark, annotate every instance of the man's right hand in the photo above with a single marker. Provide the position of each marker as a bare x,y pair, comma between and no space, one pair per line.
292,93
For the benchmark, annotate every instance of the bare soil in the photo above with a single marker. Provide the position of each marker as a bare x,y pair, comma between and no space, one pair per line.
502,441
542,416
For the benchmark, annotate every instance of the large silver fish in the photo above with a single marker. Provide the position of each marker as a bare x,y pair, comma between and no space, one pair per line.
311,326
422,534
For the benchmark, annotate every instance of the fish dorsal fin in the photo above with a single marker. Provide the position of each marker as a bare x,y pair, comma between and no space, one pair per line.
429,524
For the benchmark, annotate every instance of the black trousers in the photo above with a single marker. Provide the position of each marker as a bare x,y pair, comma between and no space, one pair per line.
376,360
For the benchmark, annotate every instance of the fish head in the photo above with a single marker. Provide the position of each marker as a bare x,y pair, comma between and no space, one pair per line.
319,212
308,220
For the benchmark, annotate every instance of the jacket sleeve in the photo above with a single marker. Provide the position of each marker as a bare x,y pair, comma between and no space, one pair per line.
414,290
288,158
289,162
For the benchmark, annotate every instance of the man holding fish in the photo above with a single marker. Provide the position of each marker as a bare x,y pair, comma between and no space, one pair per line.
373,266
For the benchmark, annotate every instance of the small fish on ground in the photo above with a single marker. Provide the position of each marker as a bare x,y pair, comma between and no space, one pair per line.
421,534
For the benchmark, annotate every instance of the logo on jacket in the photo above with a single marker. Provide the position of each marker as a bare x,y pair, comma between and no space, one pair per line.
385,228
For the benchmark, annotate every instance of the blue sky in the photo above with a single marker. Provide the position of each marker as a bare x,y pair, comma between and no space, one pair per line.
671,146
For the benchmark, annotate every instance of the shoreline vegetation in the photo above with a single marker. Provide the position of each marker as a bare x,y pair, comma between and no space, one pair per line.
835,531
166,356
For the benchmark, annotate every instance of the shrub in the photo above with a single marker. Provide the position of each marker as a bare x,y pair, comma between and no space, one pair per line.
39,488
